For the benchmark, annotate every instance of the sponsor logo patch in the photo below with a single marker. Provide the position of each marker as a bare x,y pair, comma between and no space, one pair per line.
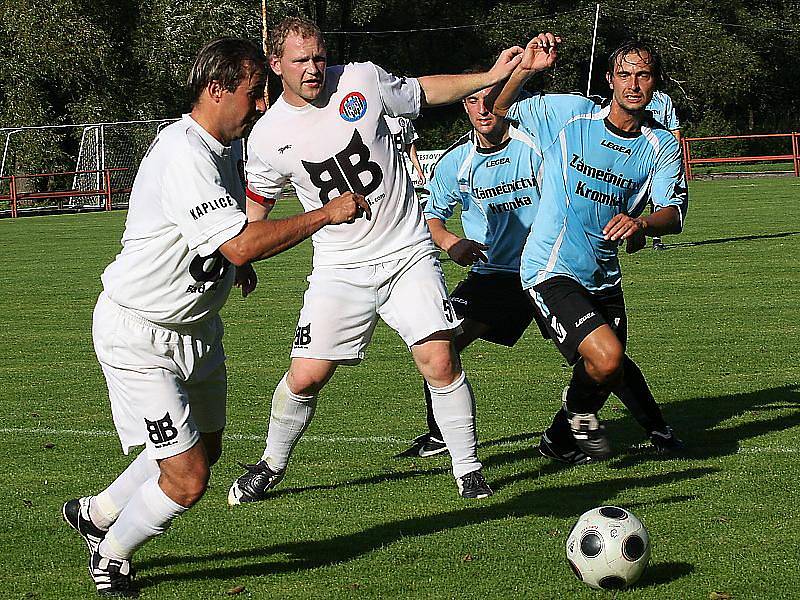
353,107
302,337
583,319
161,432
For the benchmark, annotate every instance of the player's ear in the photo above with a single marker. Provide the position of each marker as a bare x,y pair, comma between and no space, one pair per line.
275,64
215,90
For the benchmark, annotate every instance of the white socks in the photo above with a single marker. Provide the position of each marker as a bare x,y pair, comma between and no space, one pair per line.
148,513
106,506
454,410
289,418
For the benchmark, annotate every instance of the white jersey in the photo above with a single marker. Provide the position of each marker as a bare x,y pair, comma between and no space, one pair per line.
342,143
403,132
187,200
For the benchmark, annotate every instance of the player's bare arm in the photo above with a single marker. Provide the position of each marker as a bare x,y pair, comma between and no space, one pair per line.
264,238
464,252
540,54
446,89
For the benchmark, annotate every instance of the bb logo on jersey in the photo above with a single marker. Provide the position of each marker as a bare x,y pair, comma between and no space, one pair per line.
302,337
353,107
350,170
161,432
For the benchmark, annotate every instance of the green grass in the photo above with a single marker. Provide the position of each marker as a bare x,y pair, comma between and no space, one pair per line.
714,324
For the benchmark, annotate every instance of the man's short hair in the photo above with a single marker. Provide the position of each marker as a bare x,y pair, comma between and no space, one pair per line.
639,48
292,25
226,60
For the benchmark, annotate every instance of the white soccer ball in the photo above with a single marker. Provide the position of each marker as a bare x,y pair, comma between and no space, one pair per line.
608,548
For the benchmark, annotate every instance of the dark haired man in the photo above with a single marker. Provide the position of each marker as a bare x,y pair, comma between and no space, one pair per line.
601,166
156,330
324,135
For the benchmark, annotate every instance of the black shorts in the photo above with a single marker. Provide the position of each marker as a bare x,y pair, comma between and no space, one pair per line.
496,300
571,312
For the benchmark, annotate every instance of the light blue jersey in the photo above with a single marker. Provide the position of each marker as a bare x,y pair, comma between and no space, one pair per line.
498,193
592,172
663,110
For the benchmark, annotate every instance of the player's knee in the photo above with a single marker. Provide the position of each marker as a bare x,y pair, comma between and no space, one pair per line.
186,484
307,384
193,485
606,368
441,369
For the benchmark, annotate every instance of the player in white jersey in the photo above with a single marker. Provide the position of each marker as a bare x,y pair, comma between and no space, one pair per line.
156,328
491,174
405,140
324,135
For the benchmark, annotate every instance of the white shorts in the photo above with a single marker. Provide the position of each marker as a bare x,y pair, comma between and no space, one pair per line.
166,385
342,305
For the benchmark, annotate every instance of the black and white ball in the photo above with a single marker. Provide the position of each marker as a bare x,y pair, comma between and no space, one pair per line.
608,548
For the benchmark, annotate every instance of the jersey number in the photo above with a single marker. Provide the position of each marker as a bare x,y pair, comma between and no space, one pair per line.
348,170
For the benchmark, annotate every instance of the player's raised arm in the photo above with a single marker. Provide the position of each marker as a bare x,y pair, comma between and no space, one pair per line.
539,54
446,89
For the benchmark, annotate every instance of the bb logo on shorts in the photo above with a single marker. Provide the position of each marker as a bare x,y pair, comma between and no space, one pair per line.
161,431
353,107
302,337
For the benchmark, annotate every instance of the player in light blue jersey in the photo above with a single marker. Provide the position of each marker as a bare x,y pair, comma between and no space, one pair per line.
601,166
491,173
663,111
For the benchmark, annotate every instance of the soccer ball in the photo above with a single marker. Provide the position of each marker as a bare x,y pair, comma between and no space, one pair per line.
608,548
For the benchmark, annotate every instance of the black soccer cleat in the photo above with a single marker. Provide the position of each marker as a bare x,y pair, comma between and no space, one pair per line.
112,577
589,434
76,514
254,485
571,456
658,244
664,440
473,486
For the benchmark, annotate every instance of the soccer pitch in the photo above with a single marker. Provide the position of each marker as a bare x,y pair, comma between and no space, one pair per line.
714,322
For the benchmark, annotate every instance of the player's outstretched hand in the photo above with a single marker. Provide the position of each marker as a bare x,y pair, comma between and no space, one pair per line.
347,208
467,252
622,227
246,279
541,53
506,63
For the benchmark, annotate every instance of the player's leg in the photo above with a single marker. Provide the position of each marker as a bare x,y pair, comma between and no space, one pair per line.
431,443
334,327
632,388
454,410
146,369
294,402
577,327
414,303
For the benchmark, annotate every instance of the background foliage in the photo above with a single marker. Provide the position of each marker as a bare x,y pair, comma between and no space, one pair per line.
734,65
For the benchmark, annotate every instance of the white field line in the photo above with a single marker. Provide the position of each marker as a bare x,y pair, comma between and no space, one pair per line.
228,436
326,439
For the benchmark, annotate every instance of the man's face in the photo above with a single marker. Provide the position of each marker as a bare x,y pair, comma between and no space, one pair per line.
633,81
301,68
481,118
242,107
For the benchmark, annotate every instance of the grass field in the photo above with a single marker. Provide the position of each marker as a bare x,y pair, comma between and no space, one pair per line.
715,324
